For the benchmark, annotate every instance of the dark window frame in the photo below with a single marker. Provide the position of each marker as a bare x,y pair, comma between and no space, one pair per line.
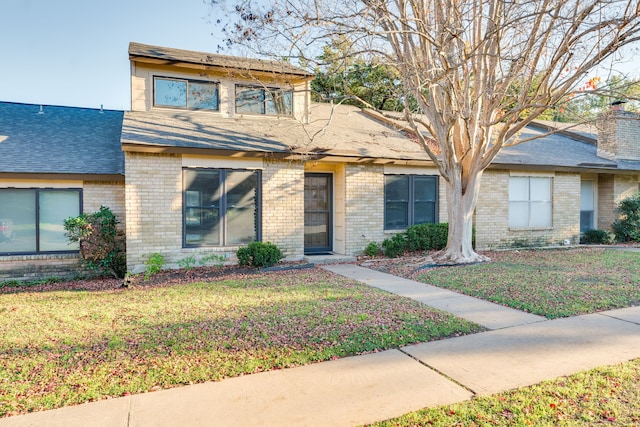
187,81
222,206
411,200
264,89
37,191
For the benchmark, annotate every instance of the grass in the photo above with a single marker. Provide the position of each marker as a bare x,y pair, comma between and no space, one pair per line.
70,346
550,283
604,396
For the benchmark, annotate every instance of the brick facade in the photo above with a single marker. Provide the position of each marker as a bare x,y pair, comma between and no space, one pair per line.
492,214
364,206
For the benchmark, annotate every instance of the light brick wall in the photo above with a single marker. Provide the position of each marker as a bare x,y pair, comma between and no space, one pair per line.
108,194
30,267
619,137
612,189
364,206
283,207
153,195
492,214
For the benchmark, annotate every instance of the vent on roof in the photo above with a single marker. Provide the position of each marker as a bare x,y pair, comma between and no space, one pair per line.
41,110
101,109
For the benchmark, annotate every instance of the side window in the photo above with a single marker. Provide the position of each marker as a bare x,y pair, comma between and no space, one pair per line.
31,220
186,94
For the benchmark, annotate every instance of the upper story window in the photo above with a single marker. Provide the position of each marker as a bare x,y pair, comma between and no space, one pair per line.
261,100
185,93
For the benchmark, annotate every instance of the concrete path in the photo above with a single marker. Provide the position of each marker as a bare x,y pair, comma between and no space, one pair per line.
487,314
520,350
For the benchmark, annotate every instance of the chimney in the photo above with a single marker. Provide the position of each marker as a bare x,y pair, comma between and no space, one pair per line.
619,134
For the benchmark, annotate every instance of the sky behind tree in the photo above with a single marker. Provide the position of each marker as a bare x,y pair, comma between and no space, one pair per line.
74,52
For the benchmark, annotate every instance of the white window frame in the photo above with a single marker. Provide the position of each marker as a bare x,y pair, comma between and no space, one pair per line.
525,199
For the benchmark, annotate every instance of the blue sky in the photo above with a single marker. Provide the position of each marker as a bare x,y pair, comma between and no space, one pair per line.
74,52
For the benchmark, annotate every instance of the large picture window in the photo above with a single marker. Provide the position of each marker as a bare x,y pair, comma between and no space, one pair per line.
31,220
410,200
260,100
530,203
187,94
221,207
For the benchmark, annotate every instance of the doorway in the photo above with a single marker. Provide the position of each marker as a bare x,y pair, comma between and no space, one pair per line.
318,213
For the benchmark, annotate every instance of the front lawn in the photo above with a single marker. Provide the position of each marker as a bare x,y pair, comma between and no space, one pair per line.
64,344
550,283
608,396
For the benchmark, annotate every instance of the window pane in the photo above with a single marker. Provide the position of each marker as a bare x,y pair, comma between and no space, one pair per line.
541,214
540,189
202,188
203,95
518,188
171,93
518,214
249,100
587,196
396,188
424,189
202,226
279,102
424,212
396,215
241,207
55,207
586,221
17,220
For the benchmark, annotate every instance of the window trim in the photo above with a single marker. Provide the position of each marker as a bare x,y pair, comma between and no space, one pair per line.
188,81
264,102
411,200
37,191
222,206
529,203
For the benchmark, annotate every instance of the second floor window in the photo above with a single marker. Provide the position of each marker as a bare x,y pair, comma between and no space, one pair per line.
260,100
187,94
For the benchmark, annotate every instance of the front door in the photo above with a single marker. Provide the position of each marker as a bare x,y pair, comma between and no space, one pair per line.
317,213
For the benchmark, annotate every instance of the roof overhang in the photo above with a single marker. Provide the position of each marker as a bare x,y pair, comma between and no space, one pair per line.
63,176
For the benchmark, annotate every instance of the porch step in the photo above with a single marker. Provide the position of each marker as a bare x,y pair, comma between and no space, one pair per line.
329,259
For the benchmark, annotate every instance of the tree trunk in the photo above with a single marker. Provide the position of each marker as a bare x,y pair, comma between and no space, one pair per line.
461,204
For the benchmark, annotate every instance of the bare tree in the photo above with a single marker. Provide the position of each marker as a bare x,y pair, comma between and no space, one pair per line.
480,70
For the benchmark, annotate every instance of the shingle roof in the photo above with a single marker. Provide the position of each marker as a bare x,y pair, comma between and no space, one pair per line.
61,140
349,133
172,56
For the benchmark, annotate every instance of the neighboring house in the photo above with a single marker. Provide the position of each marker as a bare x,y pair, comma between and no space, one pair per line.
55,162
219,151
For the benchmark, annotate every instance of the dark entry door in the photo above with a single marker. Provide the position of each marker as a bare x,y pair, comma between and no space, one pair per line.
317,213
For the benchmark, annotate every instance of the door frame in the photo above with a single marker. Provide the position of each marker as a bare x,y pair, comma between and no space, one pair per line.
329,247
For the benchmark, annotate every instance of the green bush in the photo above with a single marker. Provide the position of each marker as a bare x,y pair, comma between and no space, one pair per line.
259,254
426,237
153,265
372,249
187,262
101,248
627,227
216,260
395,246
597,237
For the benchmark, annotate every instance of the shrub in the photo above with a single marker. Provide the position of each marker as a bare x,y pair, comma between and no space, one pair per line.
395,246
372,249
101,249
598,237
153,265
627,227
259,254
426,237
217,260
188,262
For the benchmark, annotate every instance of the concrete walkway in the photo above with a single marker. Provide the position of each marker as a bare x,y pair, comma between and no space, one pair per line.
520,350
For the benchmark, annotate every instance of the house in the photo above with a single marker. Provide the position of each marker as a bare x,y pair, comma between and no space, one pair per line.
218,151
55,162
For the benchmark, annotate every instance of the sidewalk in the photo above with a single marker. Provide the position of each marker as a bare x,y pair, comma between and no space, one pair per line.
519,350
